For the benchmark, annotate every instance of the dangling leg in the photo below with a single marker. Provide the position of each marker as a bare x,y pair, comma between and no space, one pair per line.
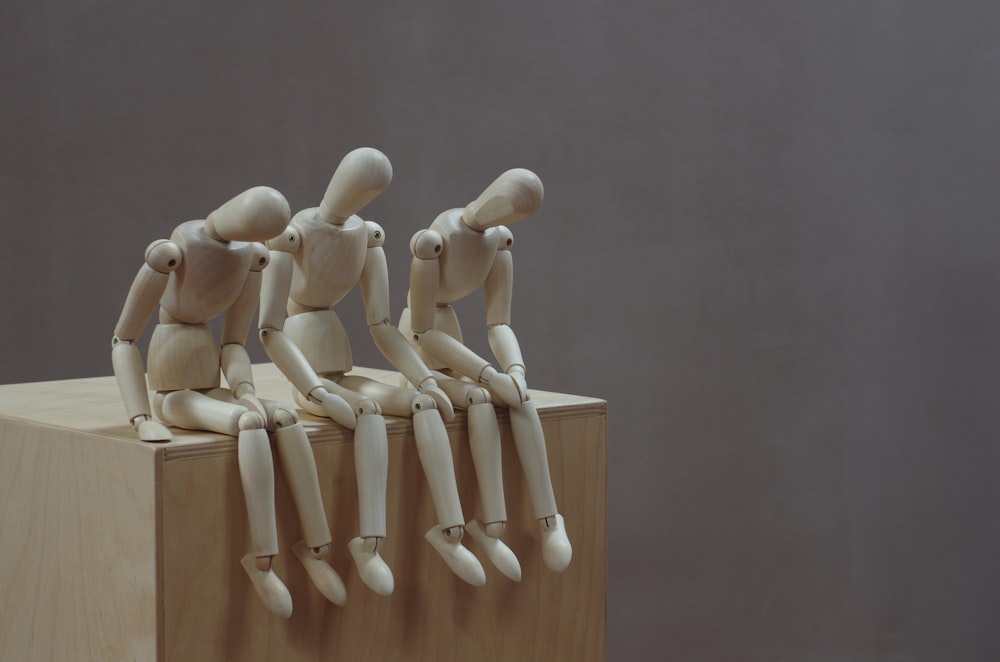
434,452
218,412
484,440
257,474
371,466
300,471
530,443
439,468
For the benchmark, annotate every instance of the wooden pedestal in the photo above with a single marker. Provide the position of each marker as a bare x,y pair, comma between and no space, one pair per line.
112,549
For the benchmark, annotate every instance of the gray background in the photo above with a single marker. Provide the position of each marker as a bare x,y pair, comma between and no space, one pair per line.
768,240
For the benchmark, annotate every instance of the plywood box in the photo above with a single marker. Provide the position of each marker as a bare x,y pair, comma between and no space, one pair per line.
113,549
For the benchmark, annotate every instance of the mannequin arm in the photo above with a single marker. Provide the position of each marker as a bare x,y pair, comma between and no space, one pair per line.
425,275
388,339
462,359
235,360
498,289
424,279
277,283
162,257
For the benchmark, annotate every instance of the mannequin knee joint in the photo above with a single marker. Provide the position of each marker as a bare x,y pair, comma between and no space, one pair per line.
478,396
251,420
284,418
367,408
421,403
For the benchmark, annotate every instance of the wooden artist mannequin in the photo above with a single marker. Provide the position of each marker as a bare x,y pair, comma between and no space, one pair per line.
462,250
205,269
322,254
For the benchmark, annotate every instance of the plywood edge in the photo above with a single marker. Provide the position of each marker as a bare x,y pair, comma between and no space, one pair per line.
158,485
592,408
92,407
323,432
89,435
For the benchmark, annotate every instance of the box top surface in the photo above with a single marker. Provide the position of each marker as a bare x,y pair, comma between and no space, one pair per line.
93,405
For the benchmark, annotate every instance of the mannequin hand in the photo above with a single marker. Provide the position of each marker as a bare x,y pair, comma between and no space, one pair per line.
430,387
150,430
504,387
250,401
335,407
517,374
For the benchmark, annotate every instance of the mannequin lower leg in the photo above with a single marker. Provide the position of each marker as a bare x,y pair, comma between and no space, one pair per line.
371,465
257,476
484,440
434,451
299,467
530,443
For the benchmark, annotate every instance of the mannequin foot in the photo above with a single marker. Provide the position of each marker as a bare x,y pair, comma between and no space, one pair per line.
322,575
374,571
499,554
556,550
150,430
459,559
270,590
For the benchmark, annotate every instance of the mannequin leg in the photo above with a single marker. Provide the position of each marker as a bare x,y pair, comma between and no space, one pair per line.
371,466
434,451
216,412
299,467
484,441
530,443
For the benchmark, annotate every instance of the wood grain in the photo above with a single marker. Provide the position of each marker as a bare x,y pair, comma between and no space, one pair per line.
146,541
77,543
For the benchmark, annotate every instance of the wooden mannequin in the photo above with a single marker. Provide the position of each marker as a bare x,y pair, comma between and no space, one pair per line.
322,254
462,250
205,269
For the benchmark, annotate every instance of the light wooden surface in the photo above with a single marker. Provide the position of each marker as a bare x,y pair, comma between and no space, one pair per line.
117,549
61,599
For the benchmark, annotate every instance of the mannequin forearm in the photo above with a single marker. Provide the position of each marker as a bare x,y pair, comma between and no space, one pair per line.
236,369
505,347
290,360
452,353
399,353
